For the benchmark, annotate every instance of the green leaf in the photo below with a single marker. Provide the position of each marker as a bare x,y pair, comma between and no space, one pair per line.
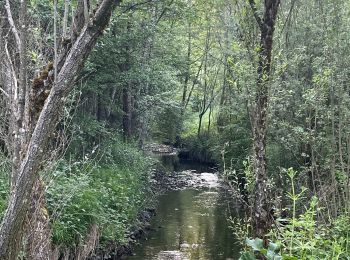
274,247
263,251
256,244
271,255
247,256
288,257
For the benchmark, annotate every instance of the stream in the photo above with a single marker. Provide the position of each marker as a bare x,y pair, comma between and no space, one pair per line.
191,222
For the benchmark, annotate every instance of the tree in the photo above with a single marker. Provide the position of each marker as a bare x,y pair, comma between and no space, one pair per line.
262,218
35,117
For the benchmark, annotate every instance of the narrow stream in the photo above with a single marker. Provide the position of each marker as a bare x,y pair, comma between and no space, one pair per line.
190,223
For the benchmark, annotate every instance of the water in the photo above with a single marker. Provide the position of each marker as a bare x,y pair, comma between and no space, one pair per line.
190,224
173,163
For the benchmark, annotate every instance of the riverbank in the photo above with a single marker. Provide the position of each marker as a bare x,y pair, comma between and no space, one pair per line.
170,175
191,218
161,183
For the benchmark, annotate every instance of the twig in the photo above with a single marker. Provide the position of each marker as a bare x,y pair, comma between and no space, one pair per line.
4,92
255,13
12,70
135,5
12,24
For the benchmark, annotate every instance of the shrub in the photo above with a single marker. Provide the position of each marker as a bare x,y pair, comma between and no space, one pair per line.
109,193
303,237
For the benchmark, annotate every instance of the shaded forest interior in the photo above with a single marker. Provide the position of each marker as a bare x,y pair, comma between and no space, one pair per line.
259,88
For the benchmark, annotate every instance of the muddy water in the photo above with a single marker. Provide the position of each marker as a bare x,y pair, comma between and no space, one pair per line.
191,224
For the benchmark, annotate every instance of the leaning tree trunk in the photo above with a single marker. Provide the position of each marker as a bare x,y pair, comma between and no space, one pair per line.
261,217
13,224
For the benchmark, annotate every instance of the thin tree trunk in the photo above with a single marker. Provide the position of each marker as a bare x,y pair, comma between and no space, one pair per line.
261,217
200,124
188,69
348,174
209,118
65,20
126,113
126,93
17,86
146,58
205,70
334,151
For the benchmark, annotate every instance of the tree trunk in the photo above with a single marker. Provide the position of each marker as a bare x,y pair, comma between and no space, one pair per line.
126,113
200,124
262,219
188,69
39,232
209,118
13,223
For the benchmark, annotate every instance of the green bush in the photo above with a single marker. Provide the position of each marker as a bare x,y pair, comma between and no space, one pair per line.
203,148
109,194
168,124
303,237
227,133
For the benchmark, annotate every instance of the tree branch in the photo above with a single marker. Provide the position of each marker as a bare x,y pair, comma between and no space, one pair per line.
13,74
130,7
12,24
163,12
255,13
288,16
4,92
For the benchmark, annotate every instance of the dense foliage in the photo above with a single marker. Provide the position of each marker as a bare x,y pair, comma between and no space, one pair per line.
185,73
108,191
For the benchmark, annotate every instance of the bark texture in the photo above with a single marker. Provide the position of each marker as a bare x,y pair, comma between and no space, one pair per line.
262,218
38,230
26,174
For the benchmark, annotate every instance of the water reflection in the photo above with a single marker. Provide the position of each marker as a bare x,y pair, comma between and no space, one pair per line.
190,224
